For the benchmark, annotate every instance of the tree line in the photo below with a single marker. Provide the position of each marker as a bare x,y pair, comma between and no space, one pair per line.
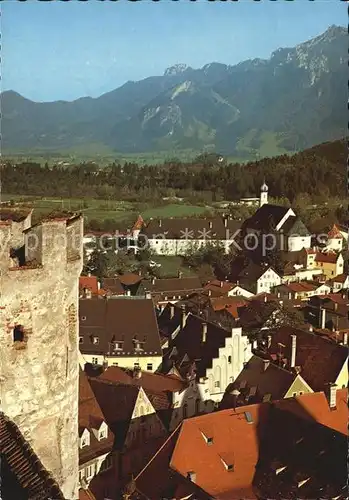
320,175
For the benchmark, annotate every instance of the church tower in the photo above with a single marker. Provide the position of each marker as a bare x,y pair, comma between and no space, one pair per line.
39,372
264,195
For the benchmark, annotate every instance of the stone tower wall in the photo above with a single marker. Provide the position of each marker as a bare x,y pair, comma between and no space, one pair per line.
39,375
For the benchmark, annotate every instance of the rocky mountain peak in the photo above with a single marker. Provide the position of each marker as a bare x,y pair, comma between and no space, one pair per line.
176,69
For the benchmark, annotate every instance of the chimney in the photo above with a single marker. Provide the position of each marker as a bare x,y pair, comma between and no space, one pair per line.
160,222
221,283
89,274
184,317
147,295
289,295
266,363
210,224
128,293
204,332
278,295
332,396
269,341
137,372
345,338
311,329
88,293
265,298
237,282
322,318
225,221
153,280
172,311
209,293
180,274
293,350
335,306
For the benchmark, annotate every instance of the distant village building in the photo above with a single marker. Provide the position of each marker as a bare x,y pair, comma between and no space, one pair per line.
177,236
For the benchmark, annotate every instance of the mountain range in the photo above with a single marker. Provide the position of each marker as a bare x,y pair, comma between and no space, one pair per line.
291,101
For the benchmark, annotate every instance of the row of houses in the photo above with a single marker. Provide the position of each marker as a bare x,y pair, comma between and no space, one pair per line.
205,363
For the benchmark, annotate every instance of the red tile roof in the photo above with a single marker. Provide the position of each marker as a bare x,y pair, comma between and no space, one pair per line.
153,382
14,214
129,279
320,360
86,495
90,283
265,378
91,417
330,257
219,288
340,278
335,233
255,441
318,409
117,402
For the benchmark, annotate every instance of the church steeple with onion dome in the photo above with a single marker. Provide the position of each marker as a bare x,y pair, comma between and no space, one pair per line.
264,194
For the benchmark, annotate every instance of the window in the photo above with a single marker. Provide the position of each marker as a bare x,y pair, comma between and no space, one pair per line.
84,442
136,365
81,340
294,394
115,364
229,359
185,410
81,474
217,384
300,393
197,406
95,361
149,366
90,470
102,435
18,333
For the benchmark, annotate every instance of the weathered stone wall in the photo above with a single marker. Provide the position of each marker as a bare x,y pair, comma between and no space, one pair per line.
39,376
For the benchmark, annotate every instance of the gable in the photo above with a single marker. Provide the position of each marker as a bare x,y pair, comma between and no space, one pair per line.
342,379
284,218
297,386
142,406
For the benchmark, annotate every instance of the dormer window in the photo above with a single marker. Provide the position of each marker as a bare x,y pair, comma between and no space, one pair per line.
83,318
137,344
102,432
95,340
118,345
85,439
81,340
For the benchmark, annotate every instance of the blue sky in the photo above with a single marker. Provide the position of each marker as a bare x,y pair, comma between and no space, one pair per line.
65,50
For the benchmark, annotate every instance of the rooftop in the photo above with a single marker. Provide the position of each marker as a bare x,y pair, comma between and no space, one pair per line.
121,327
257,451
212,228
22,474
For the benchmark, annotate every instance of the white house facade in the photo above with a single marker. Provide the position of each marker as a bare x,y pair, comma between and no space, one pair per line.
267,281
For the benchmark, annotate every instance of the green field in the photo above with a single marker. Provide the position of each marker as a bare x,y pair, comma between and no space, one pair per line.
170,265
106,209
